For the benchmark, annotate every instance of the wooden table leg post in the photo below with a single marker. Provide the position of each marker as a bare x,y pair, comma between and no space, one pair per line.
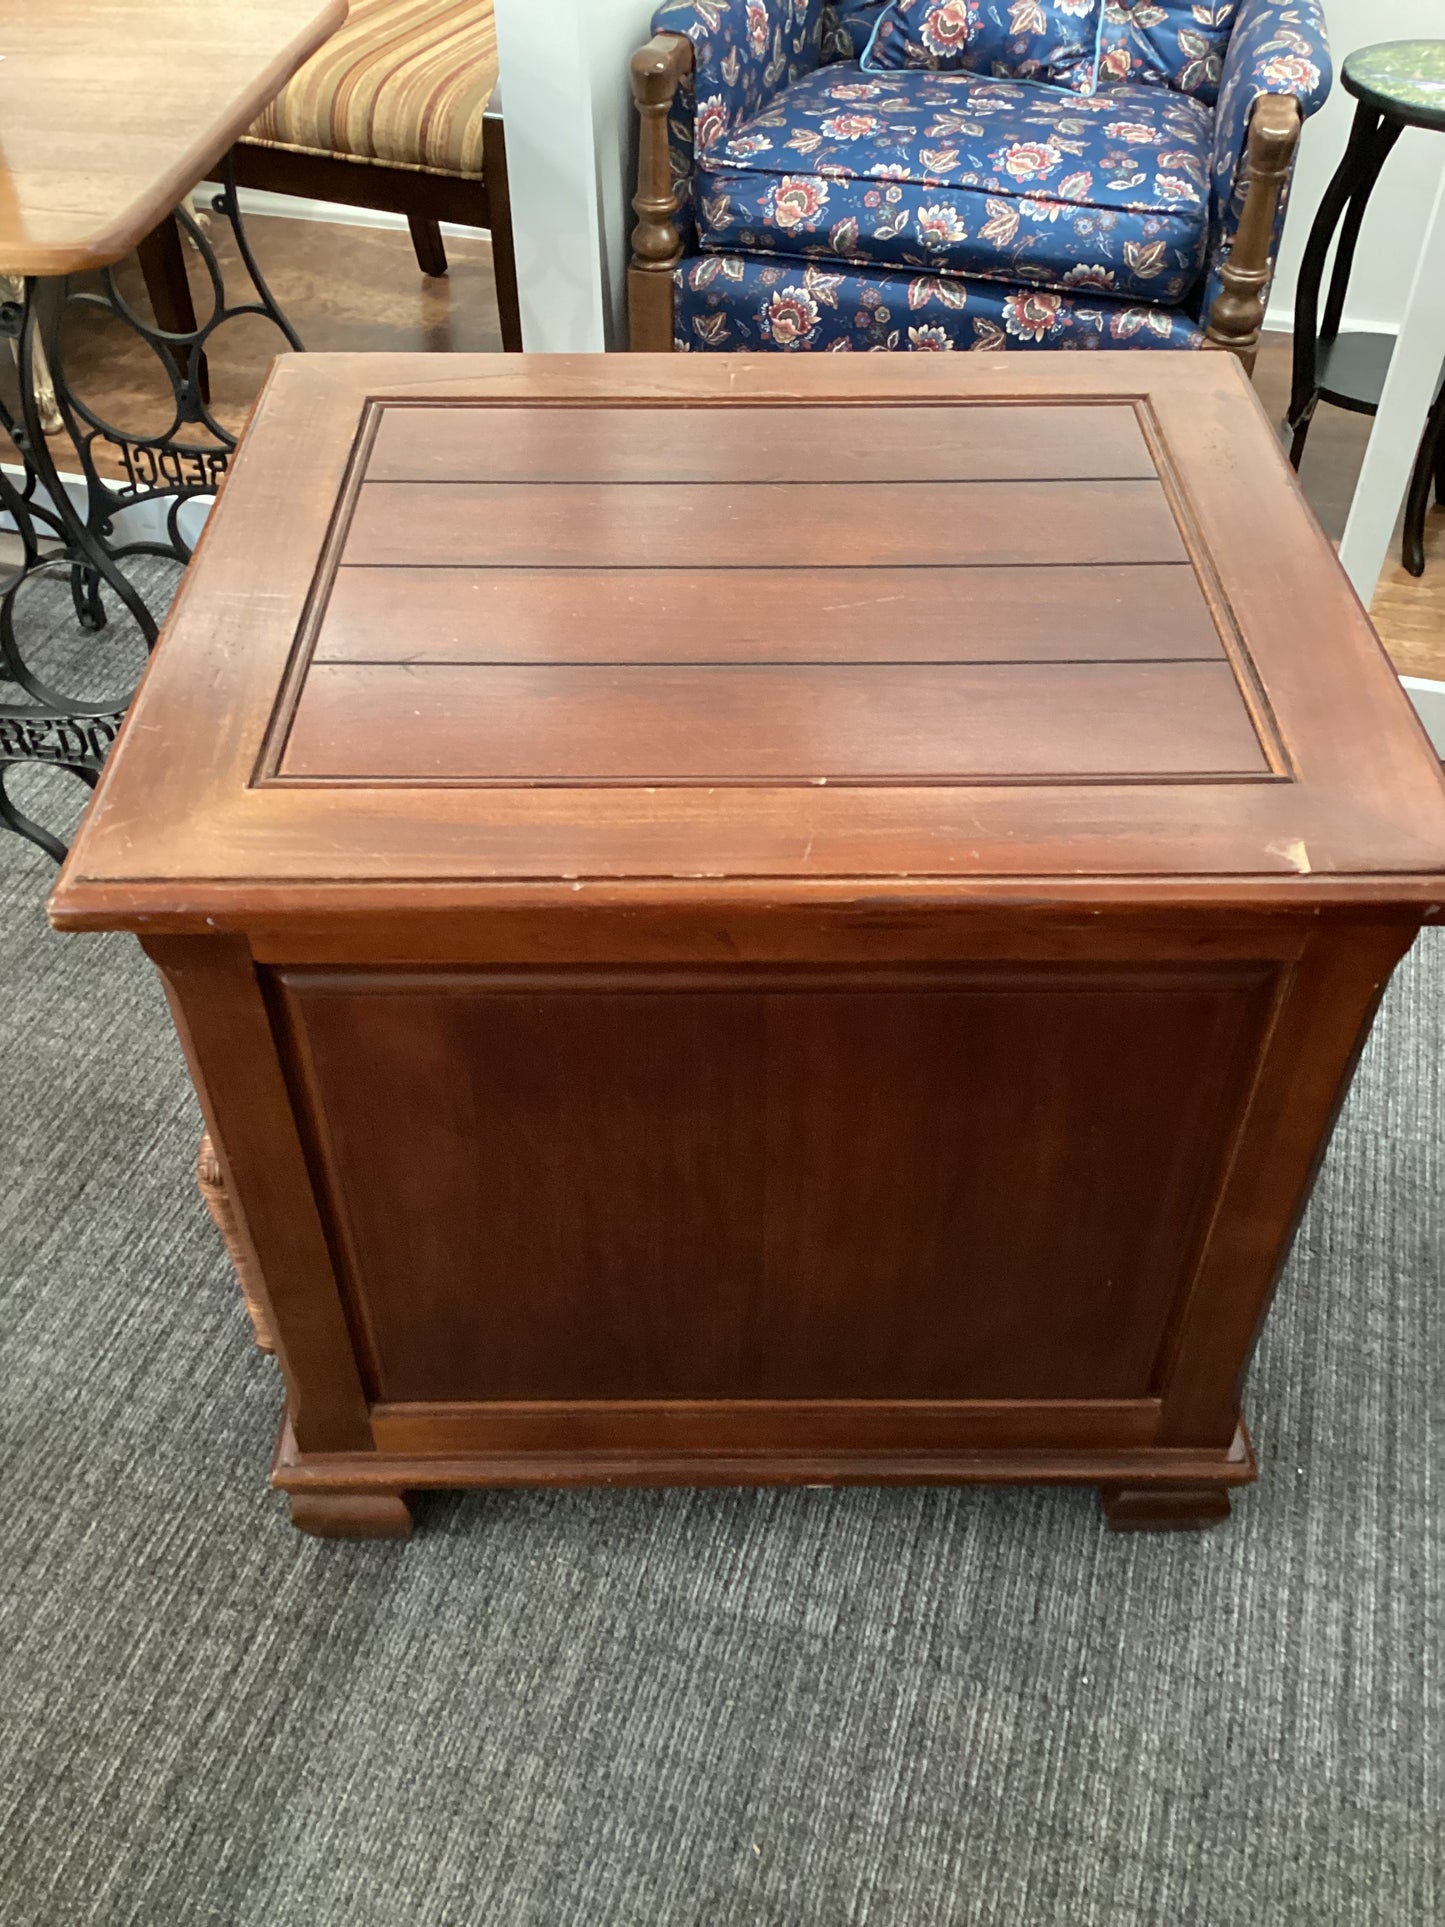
351,1515
1164,1508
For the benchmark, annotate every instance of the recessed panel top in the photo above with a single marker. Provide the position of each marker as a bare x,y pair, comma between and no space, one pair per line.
605,632
733,594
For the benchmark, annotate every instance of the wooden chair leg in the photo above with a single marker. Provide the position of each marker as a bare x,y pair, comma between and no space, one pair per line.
499,206
657,70
163,264
426,238
218,1203
1234,322
1428,473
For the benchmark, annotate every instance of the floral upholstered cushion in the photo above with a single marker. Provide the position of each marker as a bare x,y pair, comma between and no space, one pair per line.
1054,40
848,26
404,82
730,302
744,52
962,174
1173,43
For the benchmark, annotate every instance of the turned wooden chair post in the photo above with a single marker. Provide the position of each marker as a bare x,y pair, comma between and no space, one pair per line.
657,70
1238,311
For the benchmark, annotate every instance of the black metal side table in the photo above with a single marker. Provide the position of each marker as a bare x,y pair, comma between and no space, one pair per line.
1398,84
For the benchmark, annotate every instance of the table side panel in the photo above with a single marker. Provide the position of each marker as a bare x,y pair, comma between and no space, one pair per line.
674,1185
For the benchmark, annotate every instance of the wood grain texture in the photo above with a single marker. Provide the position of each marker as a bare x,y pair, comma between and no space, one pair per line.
184,823
1080,442
849,723
746,524
1148,613
689,1188
114,109
766,1128
660,1461
216,1000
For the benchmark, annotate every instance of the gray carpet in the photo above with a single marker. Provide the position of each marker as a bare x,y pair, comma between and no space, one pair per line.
696,1709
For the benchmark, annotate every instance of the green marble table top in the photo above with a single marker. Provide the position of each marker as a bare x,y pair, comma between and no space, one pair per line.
1402,78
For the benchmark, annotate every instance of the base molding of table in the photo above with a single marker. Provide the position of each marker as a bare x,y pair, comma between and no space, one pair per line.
356,1494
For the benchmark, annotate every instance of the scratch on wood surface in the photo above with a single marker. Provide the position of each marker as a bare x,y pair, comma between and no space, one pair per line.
1295,852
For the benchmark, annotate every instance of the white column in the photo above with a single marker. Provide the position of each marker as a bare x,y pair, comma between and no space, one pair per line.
571,156
1395,443
1395,437
1429,700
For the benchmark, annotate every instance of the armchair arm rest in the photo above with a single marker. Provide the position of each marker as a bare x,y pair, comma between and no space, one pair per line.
1277,47
709,66
657,70
1237,311
1276,73
744,52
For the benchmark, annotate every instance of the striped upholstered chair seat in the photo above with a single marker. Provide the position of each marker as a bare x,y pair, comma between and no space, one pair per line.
405,83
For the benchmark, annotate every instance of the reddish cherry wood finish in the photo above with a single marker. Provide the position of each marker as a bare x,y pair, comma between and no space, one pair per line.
766,920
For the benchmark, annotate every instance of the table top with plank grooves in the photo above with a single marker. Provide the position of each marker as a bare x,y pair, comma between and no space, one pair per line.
565,621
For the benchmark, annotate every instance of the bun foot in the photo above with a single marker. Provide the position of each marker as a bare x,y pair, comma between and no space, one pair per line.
1164,1508
351,1515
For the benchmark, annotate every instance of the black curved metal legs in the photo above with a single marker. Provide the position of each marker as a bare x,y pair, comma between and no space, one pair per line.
1347,196
80,533
1429,474
77,744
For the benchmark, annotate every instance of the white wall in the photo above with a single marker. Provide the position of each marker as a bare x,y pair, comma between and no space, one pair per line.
571,144
1400,207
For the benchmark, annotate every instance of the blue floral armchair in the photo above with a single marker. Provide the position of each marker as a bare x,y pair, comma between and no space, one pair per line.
943,174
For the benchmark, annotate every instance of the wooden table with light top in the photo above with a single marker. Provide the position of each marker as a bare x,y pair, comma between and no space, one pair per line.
766,920
111,112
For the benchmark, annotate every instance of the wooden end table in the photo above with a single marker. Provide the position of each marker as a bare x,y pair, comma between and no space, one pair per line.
766,920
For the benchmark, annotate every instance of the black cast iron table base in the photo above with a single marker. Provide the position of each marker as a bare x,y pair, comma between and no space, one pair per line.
85,539
1349,371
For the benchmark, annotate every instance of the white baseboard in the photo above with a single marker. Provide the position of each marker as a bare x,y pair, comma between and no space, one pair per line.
1280,321
290,207
1429,700
134,522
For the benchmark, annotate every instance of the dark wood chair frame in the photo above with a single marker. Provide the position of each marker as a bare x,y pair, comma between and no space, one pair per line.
425,199
659,68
